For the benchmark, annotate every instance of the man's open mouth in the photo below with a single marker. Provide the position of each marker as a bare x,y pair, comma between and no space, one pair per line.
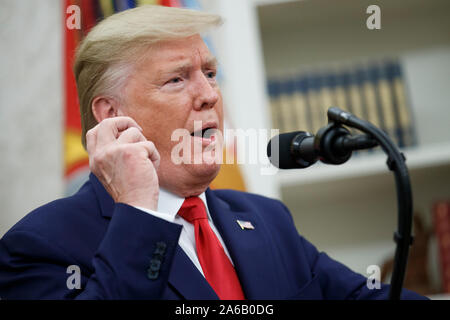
206,133
205,130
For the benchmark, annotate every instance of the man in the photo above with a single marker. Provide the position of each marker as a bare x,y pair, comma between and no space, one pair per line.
146,226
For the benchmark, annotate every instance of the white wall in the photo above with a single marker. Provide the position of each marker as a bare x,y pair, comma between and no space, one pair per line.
427,73
30,106
300,34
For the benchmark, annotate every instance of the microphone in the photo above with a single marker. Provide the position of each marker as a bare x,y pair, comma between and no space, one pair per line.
332,144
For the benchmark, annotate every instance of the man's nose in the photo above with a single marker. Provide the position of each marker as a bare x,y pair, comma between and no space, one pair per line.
206,94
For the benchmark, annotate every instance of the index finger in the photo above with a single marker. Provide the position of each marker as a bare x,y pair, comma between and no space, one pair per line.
108,130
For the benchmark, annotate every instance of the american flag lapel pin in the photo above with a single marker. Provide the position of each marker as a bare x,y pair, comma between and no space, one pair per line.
245,225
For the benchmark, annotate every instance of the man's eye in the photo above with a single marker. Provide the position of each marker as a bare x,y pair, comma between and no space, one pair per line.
211,74
175,80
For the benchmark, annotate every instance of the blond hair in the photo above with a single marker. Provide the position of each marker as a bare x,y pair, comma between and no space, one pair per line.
104,59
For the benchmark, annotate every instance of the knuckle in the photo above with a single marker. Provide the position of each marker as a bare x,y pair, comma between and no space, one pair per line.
127,151
104,122
97,158
90,134
134,131
108,122
122,118
100,155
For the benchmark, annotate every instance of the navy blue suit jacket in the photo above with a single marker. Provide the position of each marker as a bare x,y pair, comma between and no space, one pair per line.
125,253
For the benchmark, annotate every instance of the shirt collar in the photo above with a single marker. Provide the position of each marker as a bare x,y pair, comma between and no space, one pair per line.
171,203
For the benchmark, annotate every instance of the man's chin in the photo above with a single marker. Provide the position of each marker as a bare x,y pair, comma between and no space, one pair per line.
205,170
188,179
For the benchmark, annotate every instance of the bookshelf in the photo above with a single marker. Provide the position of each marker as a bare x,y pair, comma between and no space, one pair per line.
367,165
348,211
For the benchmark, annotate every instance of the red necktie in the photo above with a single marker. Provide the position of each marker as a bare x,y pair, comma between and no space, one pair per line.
217,268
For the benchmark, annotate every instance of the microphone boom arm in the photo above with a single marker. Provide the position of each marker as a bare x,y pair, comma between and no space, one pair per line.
396,163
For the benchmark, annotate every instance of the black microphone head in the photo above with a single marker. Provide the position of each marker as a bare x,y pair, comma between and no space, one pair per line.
281,153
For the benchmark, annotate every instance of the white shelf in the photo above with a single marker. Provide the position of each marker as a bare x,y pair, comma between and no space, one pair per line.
270,2
443,296
366,165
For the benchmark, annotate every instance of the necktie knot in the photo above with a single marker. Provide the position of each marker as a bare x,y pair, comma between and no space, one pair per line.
193,209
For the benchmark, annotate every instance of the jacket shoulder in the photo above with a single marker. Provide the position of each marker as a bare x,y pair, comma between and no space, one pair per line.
269,209
231,194
60,217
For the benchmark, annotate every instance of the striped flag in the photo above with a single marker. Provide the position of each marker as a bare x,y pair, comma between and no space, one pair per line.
75,157
76,162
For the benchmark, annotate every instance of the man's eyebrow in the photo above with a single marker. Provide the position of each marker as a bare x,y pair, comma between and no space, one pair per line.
211,62
183,67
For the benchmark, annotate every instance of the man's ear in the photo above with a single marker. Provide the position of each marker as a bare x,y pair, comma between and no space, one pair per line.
104,107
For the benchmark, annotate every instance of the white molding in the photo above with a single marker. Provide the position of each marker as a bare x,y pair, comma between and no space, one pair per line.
271,2
367,165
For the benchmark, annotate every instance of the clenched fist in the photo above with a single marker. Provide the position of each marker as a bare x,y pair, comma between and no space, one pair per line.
124,161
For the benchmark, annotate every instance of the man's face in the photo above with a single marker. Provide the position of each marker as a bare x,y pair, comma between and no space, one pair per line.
173,86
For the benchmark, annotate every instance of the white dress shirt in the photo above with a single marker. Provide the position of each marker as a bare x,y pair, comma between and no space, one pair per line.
168,206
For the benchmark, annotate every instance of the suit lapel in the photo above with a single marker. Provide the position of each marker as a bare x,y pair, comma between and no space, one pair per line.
251,250
187,280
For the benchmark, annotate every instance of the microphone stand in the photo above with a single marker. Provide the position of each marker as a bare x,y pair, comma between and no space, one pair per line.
324,141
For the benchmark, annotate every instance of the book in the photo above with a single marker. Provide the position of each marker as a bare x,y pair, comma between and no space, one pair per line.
286,106
386,105
328,94
301,106
441,223
342,92
355,96
405,130
273,88
368,90
317,117
374,92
